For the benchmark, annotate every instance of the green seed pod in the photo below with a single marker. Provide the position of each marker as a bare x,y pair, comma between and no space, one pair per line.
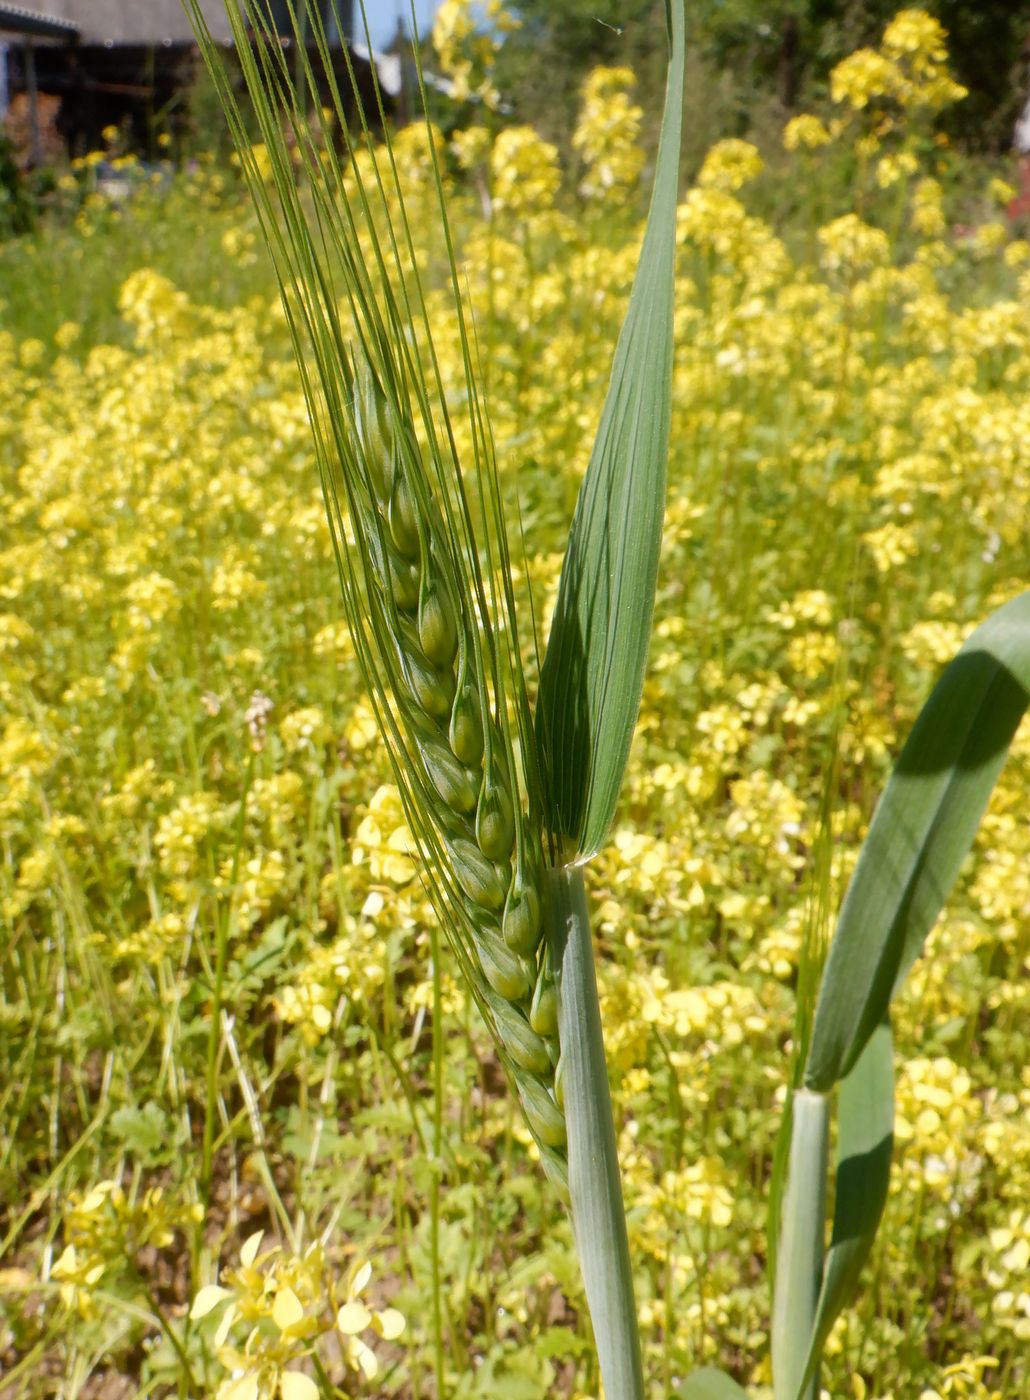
430,688
522,922
481,880
403,518
519,1039
510,976
437,625
559,1083
466,731
495,820
403,581
545,1117
543,1014
455,784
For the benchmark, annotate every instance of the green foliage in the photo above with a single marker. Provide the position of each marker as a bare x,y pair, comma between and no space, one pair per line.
17,214
710,1384
786,49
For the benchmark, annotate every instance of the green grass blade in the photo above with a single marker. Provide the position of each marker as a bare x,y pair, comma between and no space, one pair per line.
595,1189
920,834
593,668
799,1258
865,1138
710,1384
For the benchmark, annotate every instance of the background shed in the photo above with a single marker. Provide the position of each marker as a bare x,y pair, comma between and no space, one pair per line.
70,68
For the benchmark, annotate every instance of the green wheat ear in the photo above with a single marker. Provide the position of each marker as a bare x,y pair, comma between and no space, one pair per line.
504,809
414,543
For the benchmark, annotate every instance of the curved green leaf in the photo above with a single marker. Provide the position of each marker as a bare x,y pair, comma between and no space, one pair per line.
710,1384
920,834
593,669
865,1138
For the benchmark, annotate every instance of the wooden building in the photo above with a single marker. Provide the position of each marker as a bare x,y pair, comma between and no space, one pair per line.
70,68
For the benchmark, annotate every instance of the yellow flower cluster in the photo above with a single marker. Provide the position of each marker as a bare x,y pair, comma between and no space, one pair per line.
467,37
525,172
805,133
911,68
288,1302
186,756
729,166
607,135
104,1230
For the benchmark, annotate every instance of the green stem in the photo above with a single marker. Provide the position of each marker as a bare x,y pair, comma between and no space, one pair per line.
325,1385
434,1184
221,959
186,1376
799,1258
595,1187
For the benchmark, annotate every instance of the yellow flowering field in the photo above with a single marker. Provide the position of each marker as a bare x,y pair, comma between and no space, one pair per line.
224,1106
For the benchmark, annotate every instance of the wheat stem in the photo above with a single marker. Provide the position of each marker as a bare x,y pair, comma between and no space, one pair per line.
595,1189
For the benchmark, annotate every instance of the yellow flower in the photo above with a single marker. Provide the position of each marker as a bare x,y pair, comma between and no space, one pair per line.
471,147
297,1302
729,165
917,37
893,168
384,840
306,728
467,39
849,245
805,132
355,1317
78,1275
863,76
607,134
524,170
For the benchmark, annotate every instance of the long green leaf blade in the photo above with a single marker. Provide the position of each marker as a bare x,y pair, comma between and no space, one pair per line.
593,669
865,1138
920,834
710,1384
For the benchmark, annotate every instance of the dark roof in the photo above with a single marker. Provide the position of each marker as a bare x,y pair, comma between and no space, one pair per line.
135,21
15,20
